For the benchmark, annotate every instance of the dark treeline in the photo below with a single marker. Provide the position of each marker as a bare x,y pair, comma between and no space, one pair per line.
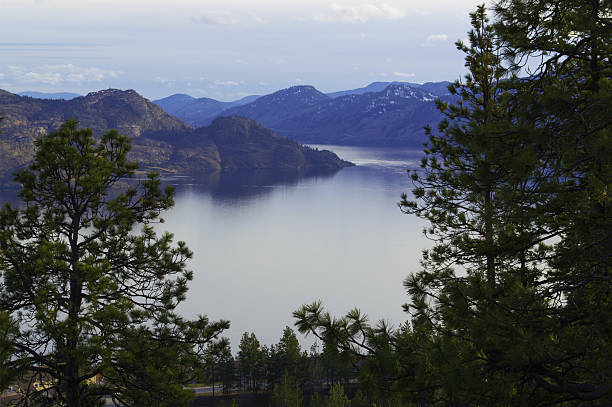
290,375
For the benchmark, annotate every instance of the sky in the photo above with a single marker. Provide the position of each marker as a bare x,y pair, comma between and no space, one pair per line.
227,49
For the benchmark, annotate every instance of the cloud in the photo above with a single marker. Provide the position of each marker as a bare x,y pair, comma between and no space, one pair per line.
217,18
22,46
258,19
359,14
404,74
392,13
2,76
226,83
60,74
164,81
437,37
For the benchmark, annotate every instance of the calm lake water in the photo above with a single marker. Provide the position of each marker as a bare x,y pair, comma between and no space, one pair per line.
263,247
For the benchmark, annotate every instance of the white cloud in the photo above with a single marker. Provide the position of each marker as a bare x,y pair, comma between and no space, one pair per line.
437,37
224,17
60,74
226,83
217,18
392,13
404,74
360,13
164,81
2,76
258,19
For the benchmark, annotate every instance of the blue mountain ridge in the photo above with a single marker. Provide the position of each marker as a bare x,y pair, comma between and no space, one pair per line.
52,96
380,114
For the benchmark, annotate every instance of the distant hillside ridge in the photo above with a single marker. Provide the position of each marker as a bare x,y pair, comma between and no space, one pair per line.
346,117
279,106
198,112
160,141
437,88
394,116
238,143
45,95
245,144
26,119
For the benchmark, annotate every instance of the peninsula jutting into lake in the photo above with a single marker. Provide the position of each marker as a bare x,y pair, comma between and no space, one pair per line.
160,141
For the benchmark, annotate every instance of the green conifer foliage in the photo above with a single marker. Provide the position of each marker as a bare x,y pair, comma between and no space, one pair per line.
286,393
251,359
566,47
336,397
513,302
469,299
90,286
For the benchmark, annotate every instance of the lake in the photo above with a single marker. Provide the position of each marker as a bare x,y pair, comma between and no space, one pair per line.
263,247
264,244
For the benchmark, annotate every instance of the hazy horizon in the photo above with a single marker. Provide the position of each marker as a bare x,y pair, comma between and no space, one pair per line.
227,50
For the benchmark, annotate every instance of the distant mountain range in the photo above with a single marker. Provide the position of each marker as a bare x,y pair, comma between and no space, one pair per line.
380,114
197,112
437,88
160,141
43,95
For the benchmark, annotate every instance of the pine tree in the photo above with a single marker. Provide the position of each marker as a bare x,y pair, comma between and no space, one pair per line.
565,48
218,358
92,298
474,189
286,393
251,360
337,397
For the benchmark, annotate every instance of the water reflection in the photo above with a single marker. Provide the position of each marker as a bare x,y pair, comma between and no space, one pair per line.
220,186
242,185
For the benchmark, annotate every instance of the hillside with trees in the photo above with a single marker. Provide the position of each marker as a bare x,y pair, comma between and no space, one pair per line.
160,141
